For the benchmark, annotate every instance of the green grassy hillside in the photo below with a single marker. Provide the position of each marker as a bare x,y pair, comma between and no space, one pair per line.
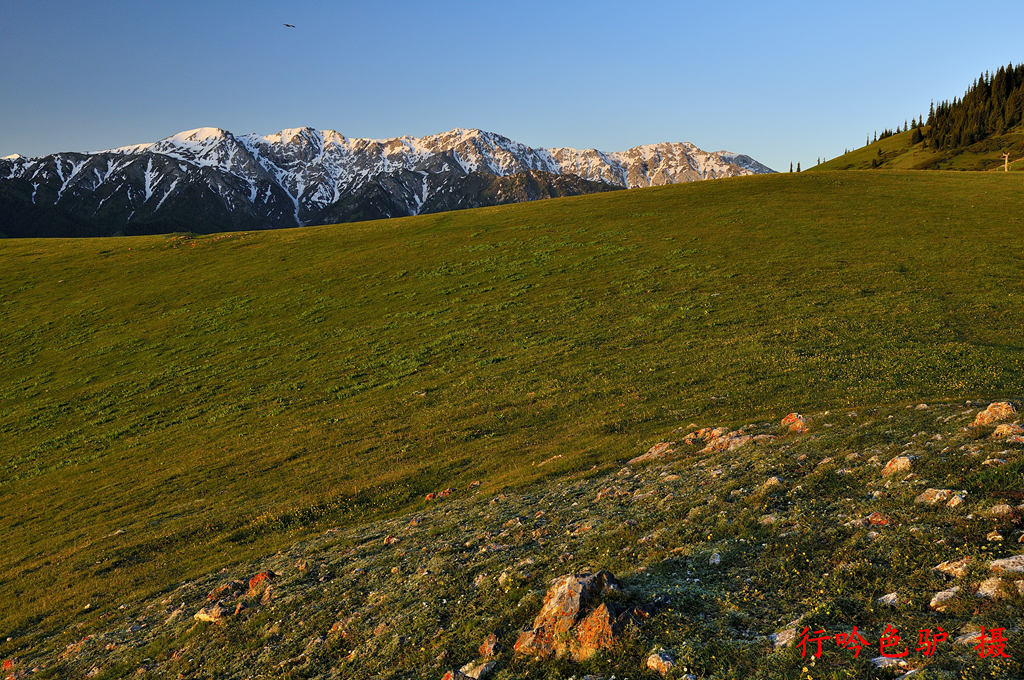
172,406
897,153
733,551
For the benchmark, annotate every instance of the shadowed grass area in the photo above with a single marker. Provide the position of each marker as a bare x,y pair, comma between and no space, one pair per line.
169,406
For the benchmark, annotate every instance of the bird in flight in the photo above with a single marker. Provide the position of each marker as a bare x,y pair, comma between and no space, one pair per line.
290,25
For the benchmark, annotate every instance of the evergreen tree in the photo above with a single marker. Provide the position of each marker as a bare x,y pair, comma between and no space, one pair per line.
992,105
798,166
791,166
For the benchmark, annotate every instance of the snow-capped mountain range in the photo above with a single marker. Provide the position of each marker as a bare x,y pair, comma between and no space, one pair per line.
209,179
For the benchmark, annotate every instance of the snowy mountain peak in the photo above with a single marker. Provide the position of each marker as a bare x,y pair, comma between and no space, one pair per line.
303,175
305,134
202,134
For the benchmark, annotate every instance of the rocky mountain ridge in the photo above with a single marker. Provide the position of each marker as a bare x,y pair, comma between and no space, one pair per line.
209,179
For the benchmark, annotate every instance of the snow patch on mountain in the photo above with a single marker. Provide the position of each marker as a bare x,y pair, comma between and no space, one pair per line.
299,175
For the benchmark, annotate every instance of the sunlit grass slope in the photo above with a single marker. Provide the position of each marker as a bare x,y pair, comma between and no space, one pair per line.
898,153
171,406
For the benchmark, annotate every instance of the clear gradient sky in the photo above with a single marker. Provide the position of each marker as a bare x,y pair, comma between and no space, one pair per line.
781,81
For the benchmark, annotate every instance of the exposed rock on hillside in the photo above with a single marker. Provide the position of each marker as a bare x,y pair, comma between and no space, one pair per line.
795,422
743,549
997,411
572,621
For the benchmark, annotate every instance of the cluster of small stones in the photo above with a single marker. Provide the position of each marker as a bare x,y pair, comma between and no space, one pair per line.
1002,584
577,618
230,598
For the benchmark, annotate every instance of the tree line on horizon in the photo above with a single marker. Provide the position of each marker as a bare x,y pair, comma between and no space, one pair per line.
993,104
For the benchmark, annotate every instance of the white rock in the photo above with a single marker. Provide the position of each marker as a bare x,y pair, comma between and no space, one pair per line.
1013,564
212,614
941,600
662,662
993,588
956,568
968,638
889,599
888,662
478,671
784,638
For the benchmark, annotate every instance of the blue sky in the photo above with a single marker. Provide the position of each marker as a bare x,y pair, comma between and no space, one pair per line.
780,81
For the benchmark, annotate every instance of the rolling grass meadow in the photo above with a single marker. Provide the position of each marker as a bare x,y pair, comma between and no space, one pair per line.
172,406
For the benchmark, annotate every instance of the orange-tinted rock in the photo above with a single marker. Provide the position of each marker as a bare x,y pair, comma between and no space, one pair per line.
595,632
659,450
726,442
704,434
610,492
897,464
565,603
933,496
661,662
877,519
1008,430
957,568
455,675
489,647
259,582
225,590
996,412
795,422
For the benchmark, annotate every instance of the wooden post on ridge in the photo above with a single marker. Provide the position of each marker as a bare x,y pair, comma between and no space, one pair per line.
1006,162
